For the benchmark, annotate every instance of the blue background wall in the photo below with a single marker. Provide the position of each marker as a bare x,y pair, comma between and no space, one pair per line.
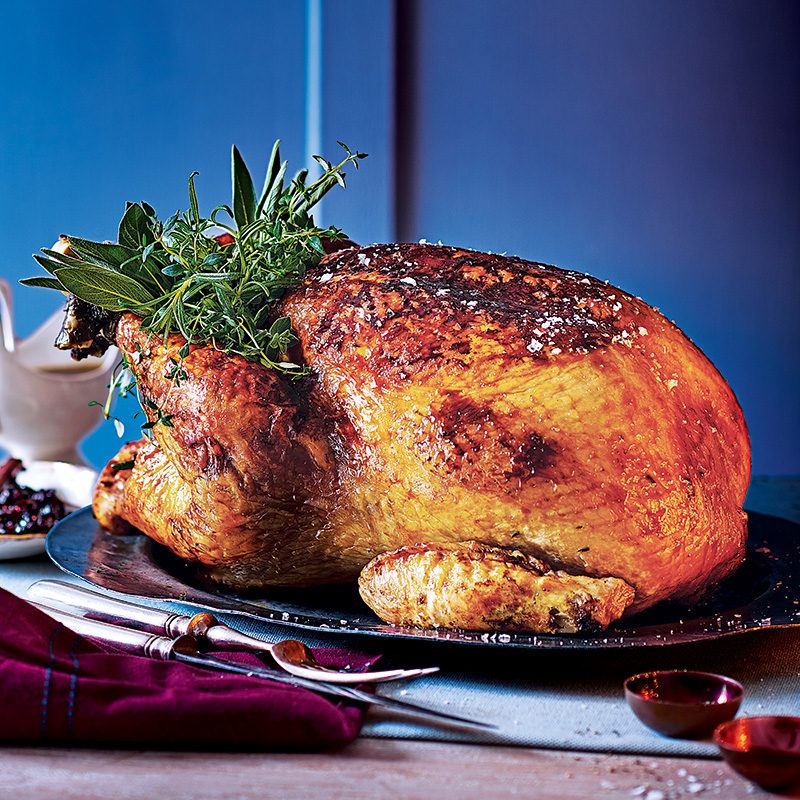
654,144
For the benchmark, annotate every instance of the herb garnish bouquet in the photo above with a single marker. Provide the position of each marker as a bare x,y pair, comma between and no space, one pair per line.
214,282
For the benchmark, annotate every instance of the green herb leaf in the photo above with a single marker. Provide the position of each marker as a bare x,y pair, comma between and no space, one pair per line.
103,254
48,263
103,288
62,260
276,190
244,195
44,283
169,224
133,227
193,198
273,168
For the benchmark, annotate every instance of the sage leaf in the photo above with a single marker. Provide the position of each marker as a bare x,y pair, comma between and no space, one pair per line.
276,190
169,224
273,168
48,263
68,261
133,227
244,195
104,254
44,282
212,259
104,288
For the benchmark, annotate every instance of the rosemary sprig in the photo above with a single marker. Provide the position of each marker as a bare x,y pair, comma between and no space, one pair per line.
213,281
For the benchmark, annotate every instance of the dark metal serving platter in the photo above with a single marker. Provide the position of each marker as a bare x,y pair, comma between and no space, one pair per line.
764,593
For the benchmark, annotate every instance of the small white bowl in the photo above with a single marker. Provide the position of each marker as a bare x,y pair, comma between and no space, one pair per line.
74,486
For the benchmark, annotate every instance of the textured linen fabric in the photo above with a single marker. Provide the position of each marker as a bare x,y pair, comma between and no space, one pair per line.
568,700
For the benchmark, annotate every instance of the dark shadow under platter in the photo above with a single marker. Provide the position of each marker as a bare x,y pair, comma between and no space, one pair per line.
764,593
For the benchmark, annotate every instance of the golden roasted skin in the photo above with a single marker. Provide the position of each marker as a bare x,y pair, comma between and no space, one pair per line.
243,478
481,588
109,495
455,396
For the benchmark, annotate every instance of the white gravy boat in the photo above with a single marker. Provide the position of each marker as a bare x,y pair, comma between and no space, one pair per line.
44,393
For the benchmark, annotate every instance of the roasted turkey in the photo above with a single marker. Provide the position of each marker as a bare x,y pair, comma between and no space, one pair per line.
502,444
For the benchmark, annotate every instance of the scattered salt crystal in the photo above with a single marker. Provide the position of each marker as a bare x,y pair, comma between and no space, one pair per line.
423,241
555,351
326,277
638,791
534,346
409,281
654,794
585,280
642,331
695,788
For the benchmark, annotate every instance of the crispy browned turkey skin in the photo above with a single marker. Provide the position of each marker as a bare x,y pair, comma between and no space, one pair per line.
455,396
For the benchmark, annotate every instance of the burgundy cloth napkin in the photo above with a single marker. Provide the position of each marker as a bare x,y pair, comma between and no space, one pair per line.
58,687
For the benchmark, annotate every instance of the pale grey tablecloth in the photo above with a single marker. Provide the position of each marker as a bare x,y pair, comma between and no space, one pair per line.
569,700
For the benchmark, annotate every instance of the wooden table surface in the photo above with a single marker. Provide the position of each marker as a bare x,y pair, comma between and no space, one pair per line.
369,768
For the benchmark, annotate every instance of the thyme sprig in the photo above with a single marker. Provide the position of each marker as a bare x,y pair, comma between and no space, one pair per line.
216,279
